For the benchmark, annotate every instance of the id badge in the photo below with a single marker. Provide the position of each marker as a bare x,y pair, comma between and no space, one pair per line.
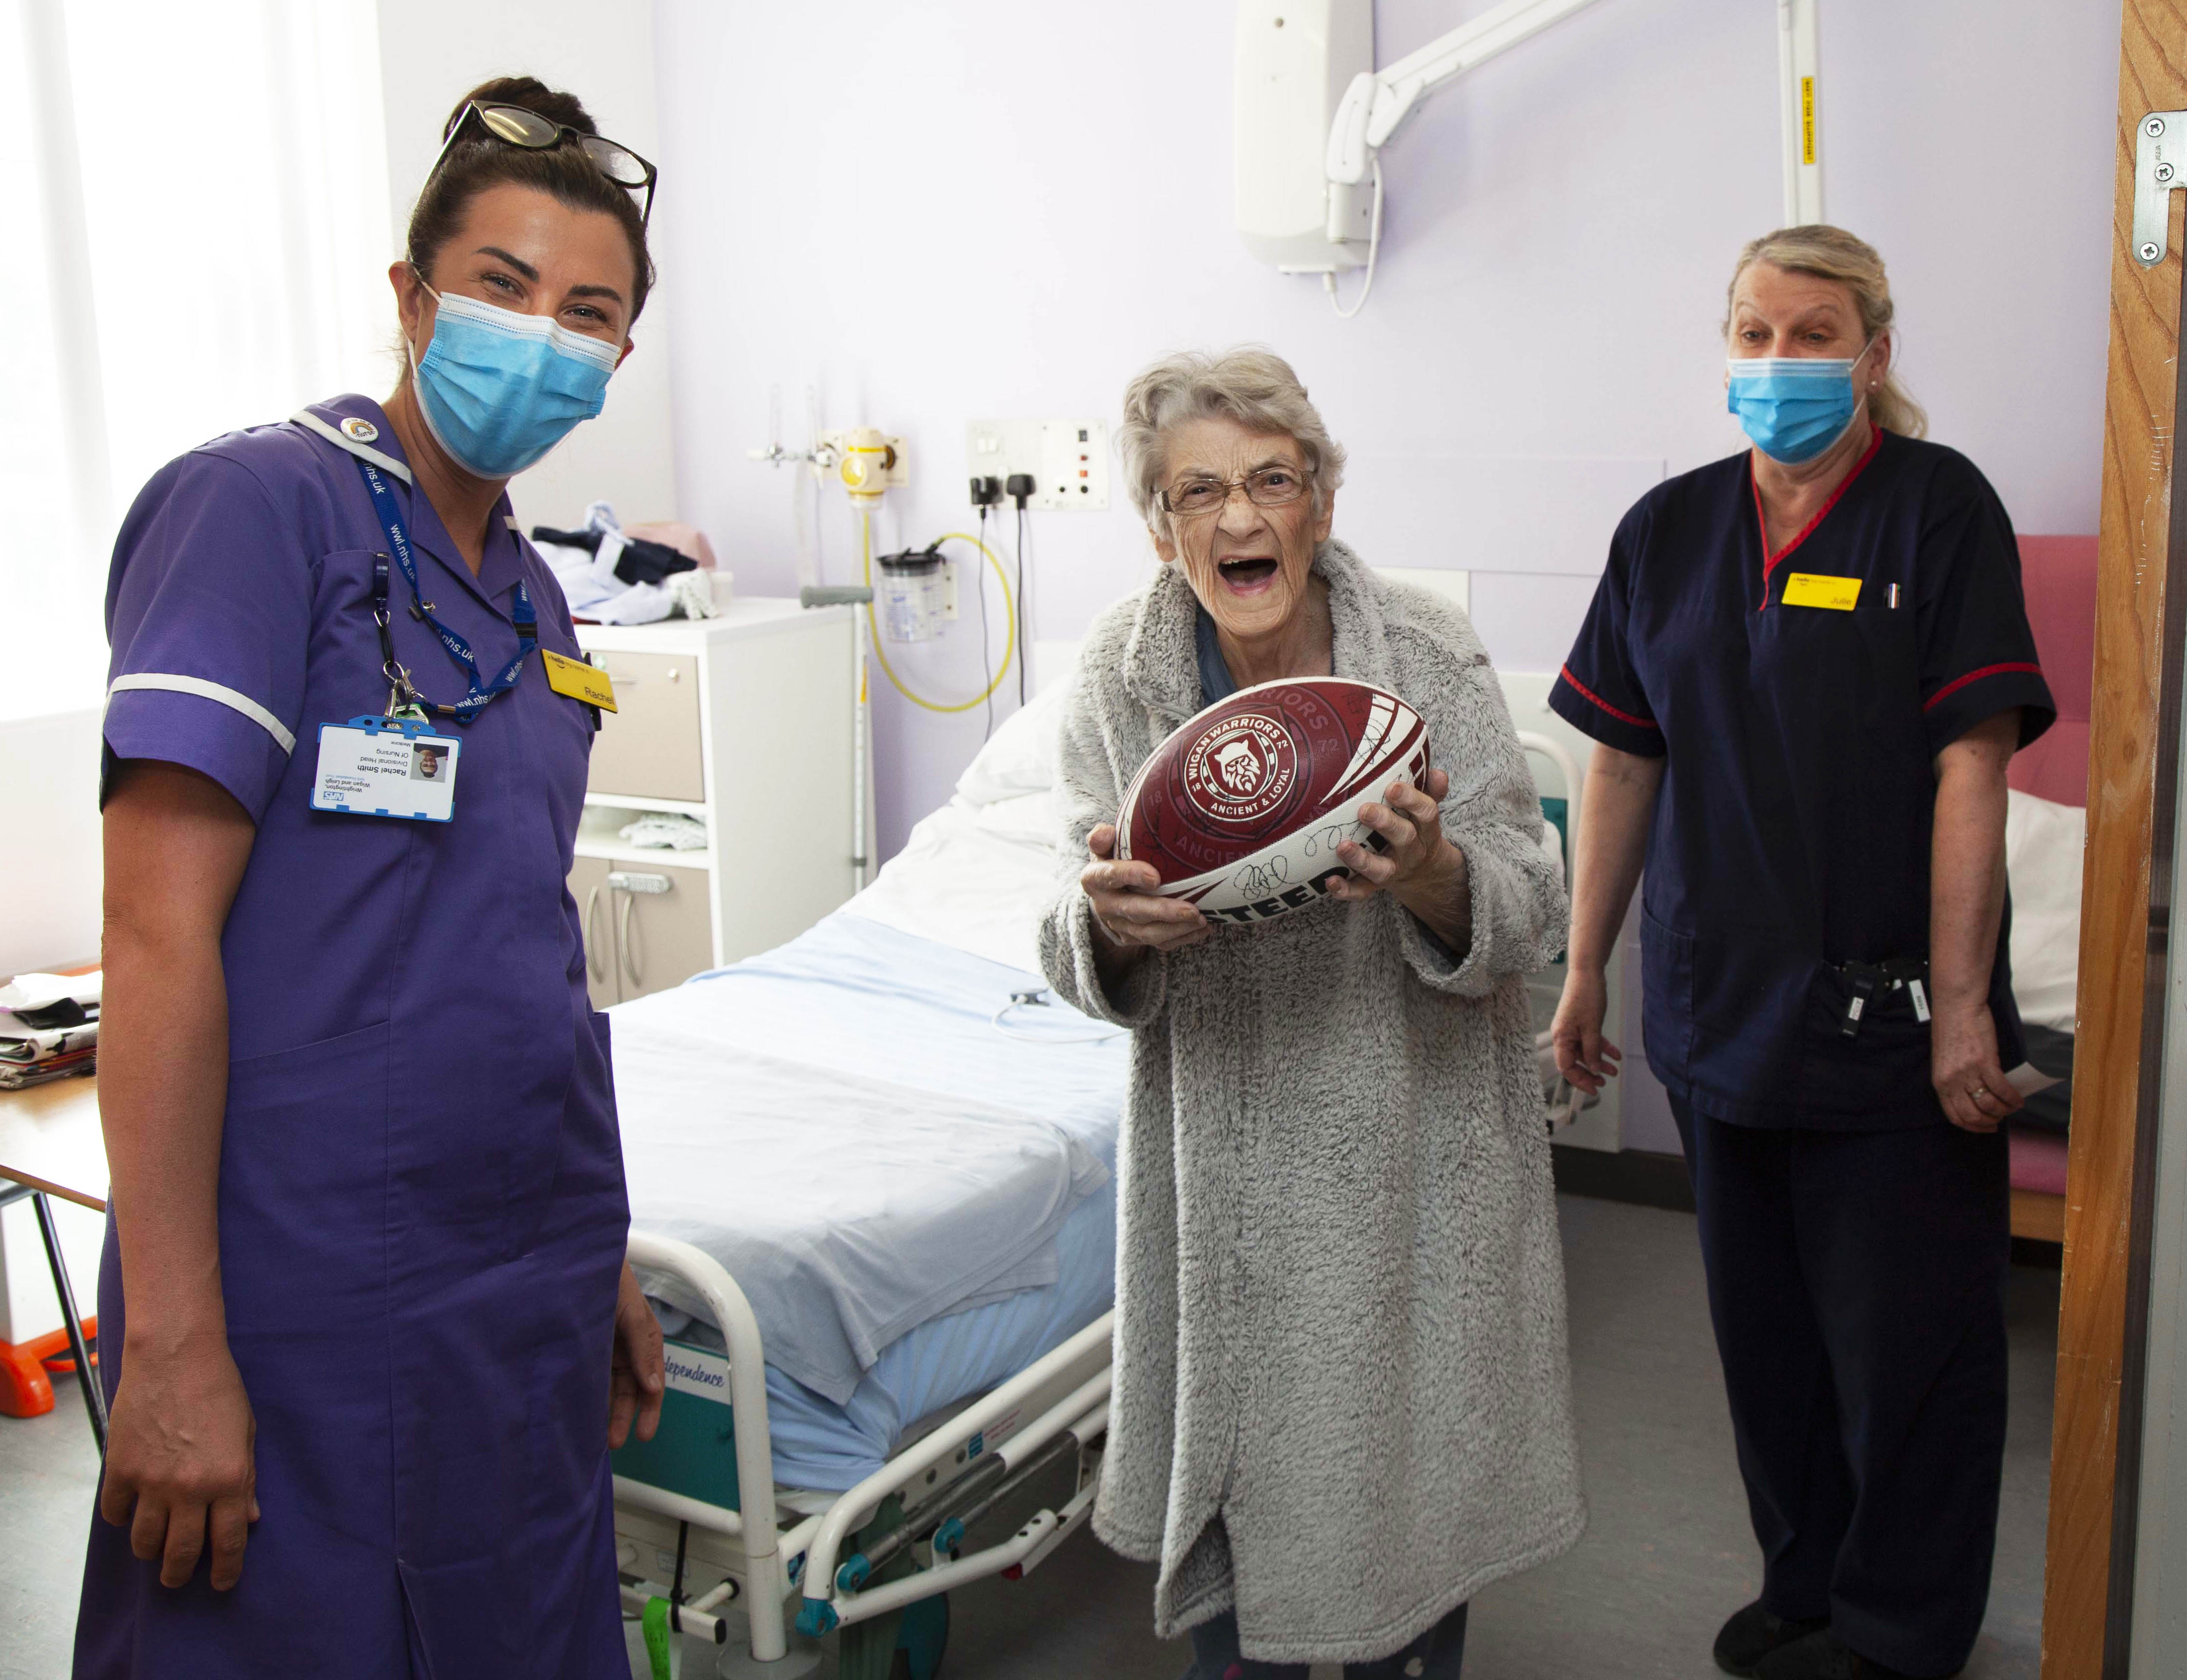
386,767
578,680
1813,589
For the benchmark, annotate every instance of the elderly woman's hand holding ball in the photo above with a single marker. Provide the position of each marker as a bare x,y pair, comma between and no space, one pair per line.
1128,916
1417,864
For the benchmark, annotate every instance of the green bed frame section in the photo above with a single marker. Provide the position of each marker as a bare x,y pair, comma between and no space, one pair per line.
694,1453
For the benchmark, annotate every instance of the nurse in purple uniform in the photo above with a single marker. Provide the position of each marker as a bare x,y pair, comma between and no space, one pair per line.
367,1209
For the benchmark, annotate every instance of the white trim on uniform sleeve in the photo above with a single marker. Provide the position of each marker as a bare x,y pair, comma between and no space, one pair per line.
211,691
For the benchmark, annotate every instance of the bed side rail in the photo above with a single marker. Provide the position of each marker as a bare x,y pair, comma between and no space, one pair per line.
732,1315
1082,1414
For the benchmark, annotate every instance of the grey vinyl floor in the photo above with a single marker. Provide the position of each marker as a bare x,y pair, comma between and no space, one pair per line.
1667,1554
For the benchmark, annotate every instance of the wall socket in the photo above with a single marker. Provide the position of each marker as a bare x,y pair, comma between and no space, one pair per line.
1067,459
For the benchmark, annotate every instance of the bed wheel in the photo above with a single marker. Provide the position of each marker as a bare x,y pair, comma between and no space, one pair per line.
921,1638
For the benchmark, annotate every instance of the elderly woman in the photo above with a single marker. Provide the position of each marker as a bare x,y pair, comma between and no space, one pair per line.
1342,1401
1805,669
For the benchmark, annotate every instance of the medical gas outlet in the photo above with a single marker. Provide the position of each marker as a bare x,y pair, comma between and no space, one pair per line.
868,464
1067,460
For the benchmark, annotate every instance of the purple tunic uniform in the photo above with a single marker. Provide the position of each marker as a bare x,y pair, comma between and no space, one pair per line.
422,1218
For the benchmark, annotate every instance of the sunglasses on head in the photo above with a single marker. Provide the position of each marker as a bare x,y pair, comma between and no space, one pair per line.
514,126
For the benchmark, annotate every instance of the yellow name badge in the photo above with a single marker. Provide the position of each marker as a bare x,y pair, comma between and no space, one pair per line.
1808,589
579,681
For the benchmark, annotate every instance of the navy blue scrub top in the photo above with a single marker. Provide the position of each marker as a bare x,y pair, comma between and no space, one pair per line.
1791,833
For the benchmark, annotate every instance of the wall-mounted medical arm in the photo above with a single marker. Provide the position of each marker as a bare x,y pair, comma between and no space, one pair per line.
1378,102
1797,60
1309,217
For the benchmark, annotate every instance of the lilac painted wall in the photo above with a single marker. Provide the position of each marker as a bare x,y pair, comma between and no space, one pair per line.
934,210
939,210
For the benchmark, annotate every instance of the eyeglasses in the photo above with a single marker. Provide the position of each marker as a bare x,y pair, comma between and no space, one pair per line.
1269,487
515,126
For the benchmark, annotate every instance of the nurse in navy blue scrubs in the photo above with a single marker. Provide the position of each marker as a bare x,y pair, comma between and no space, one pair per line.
1805,669
366,1322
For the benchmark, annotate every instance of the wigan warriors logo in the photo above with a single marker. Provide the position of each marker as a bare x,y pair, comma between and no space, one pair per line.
1242,769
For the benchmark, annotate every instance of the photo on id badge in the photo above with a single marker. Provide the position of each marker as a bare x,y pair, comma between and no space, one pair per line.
377,766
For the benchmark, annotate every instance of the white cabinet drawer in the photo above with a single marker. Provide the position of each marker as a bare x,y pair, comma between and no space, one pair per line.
649,746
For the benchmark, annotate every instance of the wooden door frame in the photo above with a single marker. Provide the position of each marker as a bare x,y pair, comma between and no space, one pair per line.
2141,593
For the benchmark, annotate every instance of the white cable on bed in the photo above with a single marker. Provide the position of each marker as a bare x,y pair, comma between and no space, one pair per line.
1020,1000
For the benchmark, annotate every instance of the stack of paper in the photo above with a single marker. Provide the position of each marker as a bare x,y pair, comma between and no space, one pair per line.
49,1028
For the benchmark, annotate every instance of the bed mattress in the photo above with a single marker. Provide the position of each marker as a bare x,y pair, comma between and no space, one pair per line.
859,1003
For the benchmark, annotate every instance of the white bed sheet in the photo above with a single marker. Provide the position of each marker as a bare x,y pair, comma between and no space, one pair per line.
853,992
849,1208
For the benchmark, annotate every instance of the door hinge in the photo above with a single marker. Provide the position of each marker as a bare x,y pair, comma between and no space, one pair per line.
2160,164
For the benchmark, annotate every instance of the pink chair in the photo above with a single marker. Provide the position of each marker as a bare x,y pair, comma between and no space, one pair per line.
2059,574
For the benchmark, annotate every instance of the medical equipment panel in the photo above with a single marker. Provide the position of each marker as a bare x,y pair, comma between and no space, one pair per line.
1067,459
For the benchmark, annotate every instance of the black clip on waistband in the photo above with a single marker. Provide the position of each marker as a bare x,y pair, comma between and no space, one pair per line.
1865,980
1909,974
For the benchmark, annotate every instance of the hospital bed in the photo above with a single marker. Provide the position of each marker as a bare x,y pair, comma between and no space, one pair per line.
872,1201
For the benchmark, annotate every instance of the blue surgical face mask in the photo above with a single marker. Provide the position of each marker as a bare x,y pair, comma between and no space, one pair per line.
499,389
1794,407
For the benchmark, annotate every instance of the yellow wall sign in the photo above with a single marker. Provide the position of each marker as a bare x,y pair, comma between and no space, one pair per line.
578,680
1808,121
1811,589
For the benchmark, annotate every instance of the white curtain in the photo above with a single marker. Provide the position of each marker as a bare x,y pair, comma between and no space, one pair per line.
207,203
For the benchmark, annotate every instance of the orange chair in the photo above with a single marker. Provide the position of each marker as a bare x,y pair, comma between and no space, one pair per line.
25,1389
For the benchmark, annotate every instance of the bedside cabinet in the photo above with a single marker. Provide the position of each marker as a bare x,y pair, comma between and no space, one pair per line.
744,722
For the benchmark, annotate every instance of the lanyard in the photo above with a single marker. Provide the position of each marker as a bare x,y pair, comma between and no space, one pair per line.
398,541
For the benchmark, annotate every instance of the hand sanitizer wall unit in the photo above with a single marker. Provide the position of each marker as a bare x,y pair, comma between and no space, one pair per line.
1294,60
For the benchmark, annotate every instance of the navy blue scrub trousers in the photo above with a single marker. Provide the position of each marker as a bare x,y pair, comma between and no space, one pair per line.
1857,1283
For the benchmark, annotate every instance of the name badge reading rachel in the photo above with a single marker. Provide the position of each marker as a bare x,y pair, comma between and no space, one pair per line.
1811,589
578,680
386,767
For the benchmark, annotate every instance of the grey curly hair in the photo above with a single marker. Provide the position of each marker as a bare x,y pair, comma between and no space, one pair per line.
1253,386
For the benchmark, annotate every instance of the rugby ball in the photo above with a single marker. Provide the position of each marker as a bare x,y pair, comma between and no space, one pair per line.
1242,808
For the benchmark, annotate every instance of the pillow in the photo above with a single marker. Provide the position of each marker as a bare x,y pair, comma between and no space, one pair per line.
2042,845
1020,758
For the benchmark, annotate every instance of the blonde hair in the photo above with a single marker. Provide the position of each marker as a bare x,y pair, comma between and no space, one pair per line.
1253,386
1830,253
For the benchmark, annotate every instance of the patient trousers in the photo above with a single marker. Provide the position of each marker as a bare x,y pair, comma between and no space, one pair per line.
1436,1655
1857,1283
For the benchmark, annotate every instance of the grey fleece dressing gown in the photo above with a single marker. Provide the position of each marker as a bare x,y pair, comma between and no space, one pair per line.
1342,1401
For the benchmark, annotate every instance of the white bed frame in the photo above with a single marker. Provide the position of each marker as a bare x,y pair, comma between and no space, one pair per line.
749,1558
